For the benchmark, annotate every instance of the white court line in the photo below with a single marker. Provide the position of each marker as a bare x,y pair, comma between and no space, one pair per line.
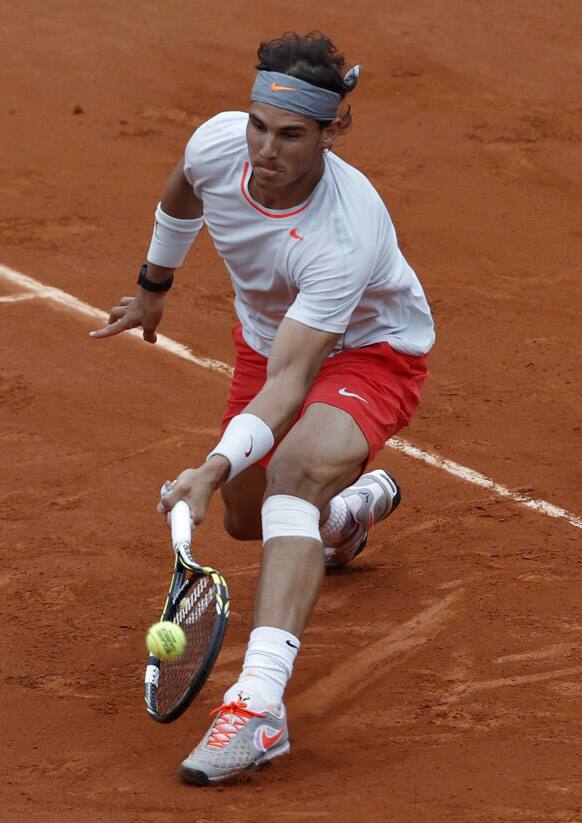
477,479
62,298
167,344
17,298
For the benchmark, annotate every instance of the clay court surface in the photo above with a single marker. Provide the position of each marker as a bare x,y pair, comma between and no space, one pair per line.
440,676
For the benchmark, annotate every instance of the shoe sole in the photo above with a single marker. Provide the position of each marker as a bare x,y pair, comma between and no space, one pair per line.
394,505
390,481
196,777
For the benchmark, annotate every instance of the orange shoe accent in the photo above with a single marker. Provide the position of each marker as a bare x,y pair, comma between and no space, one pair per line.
294,234
277,87
231,719
268,740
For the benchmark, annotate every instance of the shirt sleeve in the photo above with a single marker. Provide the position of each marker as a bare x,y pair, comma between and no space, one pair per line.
208,151
194,160
331,274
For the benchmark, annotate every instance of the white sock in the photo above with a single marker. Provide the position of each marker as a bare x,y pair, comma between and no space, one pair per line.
339,525
267,668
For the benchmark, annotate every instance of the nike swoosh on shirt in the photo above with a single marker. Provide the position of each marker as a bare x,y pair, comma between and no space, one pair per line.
276,87
268,740
347,393
295,235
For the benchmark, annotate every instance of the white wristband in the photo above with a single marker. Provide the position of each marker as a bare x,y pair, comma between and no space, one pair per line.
246,439
171,239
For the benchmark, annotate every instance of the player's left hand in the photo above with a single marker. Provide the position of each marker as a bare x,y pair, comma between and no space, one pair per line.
145,309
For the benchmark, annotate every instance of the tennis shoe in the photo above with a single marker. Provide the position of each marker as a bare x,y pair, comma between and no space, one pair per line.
371,499
239,739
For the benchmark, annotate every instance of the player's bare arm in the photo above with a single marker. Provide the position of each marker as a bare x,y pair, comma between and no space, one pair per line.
179,199
146,308
296,358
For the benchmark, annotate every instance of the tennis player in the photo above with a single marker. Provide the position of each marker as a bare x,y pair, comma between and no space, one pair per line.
331,354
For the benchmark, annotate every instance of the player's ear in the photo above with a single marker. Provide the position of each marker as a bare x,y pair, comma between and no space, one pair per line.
329,134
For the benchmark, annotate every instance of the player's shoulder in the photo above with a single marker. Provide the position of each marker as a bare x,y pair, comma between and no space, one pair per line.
353,183
225,122
352,205
224,129
349,222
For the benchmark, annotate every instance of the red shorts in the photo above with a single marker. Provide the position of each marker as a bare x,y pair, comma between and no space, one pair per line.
376,385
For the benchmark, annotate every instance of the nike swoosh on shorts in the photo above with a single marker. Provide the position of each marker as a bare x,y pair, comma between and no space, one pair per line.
345,393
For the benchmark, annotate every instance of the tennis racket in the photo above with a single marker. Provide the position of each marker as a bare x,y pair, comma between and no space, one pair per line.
197,601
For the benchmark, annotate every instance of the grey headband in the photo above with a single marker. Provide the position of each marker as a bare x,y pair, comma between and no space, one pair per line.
293,94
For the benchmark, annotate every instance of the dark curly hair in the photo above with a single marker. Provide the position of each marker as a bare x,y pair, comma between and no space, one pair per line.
312,58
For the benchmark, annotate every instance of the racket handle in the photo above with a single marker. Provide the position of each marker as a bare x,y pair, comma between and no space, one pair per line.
181,525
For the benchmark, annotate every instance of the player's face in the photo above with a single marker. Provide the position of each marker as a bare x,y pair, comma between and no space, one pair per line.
285,148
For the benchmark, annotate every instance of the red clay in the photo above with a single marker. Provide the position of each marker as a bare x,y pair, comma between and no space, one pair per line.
439,679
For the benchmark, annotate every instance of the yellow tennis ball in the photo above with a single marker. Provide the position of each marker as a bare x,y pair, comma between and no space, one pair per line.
166,640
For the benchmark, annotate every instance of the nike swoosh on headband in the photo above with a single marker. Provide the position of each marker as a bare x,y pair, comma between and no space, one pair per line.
276,87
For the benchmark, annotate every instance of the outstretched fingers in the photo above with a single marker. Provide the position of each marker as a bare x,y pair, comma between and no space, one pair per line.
127,316
122,324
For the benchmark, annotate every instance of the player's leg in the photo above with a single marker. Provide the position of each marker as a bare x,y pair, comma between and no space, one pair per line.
319,457
344,521
243,498
321,454
358,401
380,388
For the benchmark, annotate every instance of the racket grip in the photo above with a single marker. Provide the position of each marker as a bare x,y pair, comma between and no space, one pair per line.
181,524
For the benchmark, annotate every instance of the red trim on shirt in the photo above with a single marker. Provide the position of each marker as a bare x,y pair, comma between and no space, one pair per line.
262,211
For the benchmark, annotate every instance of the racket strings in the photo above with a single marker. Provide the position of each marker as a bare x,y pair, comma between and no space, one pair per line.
196,615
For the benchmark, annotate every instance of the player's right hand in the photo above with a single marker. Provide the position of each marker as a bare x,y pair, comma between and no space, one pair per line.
196,487
192,486
145,310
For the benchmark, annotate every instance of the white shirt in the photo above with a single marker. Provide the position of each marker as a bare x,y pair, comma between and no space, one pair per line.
332,262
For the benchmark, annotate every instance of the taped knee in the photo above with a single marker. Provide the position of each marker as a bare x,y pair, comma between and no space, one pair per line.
286,516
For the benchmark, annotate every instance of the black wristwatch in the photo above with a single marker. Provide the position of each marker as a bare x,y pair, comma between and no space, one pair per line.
149,285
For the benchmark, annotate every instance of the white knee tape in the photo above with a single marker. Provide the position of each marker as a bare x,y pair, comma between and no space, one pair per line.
287,516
